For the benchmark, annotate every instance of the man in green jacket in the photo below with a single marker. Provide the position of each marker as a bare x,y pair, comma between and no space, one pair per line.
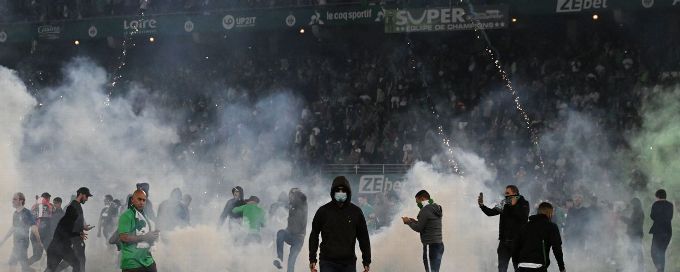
136,236
253,218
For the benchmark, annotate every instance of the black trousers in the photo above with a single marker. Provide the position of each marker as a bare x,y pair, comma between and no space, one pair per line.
659,245
151,268
61,251
522,269
505,254
326,266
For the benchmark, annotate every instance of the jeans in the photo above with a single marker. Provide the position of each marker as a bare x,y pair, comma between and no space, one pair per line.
504,255
20,254
432,256
659,245
295,242
326,266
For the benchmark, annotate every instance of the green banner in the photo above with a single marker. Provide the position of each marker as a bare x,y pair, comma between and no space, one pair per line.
394,20
445,19
174,24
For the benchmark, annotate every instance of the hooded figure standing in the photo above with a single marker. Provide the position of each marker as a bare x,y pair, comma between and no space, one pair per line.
294,234
340,224
429,225
227,213
171,212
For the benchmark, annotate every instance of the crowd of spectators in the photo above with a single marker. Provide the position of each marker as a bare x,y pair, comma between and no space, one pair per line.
368,101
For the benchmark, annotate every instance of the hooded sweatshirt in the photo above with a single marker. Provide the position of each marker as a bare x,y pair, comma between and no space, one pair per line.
231,204
297,214
429,224
340,228
535,240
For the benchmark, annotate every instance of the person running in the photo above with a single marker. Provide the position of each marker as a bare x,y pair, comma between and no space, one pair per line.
23,222
294,234
72,225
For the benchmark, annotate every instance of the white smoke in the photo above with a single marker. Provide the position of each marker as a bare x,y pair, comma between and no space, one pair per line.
15,105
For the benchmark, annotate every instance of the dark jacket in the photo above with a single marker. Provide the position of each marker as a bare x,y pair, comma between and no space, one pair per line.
340,228
634,223
429,224
228,211
534,241
512,218
574,227
297,214
662,214
70,225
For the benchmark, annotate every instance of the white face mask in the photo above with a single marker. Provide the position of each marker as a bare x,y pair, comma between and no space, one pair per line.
340,197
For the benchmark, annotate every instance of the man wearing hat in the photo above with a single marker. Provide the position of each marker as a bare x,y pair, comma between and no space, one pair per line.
70,226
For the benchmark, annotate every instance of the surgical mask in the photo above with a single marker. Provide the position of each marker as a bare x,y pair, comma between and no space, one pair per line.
340,197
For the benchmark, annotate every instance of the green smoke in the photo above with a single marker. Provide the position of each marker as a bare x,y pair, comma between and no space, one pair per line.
658,141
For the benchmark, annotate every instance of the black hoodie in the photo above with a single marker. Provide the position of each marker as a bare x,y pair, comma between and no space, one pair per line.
231,204
512,218
340,228
535,240
297,214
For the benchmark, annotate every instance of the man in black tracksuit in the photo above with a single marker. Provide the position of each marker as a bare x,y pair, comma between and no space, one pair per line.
533,243
294,234
514,212
662,214
341,224
429,225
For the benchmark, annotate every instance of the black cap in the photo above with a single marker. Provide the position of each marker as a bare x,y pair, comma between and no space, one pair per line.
254,199
46,195
85,191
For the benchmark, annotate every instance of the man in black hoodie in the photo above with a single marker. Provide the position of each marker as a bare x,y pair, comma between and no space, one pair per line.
340,224
294,234
429,225
514,212
662,214
533,243
237,201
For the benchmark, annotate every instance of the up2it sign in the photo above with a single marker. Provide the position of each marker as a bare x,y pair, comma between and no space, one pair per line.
580,5
230,22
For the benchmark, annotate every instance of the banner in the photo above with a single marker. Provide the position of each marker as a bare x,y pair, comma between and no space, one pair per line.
445,19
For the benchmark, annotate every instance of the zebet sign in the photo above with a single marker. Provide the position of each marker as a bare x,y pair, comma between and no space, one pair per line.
580,5
445,19
373,184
